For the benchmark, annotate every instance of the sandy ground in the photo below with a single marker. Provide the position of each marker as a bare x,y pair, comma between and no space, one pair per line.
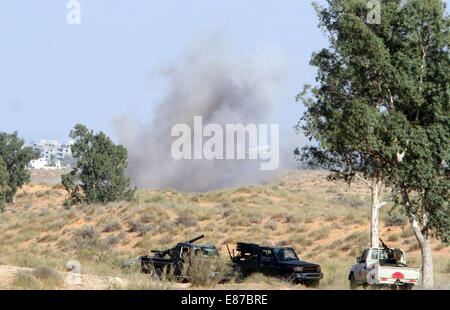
72,281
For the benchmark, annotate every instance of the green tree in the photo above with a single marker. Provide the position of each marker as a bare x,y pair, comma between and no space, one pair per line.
17,158
3,184
380,110
100,172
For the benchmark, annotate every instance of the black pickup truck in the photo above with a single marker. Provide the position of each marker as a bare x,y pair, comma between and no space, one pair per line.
175,260
274,261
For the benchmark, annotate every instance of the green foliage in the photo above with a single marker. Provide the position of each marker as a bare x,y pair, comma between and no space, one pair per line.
3,184
100,172
381,104
16,158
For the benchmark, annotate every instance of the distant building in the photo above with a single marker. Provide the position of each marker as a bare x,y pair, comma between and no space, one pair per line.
53,154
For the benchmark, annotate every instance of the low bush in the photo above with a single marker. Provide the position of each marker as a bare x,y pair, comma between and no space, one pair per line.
50,277
25,280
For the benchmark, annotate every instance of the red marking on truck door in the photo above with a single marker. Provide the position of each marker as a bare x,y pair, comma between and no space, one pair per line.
398,275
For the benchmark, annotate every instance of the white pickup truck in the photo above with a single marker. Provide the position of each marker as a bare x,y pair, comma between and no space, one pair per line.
383,267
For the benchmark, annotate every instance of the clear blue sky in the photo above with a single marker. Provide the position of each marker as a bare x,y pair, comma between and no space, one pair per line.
54,75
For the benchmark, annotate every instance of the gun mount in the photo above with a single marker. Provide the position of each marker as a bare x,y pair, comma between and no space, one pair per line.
388,250
170,251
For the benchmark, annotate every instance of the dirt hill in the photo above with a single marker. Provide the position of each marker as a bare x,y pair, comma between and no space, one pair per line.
326,222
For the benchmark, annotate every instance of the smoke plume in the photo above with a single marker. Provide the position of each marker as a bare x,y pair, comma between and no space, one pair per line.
207,80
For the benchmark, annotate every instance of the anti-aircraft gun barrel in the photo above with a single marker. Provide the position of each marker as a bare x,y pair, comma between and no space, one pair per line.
196,239
384,245
388,250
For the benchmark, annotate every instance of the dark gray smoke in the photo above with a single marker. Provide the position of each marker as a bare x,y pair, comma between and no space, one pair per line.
204,80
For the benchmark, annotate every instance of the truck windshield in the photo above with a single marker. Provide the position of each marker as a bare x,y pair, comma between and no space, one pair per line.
284,255
206,252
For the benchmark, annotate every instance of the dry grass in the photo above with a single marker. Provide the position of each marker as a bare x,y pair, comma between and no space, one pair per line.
325,222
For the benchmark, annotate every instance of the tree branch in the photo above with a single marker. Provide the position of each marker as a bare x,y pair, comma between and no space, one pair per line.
364,180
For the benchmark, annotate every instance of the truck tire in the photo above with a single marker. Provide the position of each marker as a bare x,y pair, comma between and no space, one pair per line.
406,287
158,273
312,283
353,284
154,273
239,277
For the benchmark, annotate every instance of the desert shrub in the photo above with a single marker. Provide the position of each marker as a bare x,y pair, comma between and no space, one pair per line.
48,238
346,247
134,226
395,219
186,220
114,239
330,217
359,239
300,240
165,227
25,280
334,244
408,232
414,247
283,243
271,224
155,198
166,239
227,204
145,219
93,249
254,218
244,190
87,232
237,220
331,190
393,238
229,212
207,272
50,277
353,201
112,226
289,218
145,228
439,247
320,234
56,226
140,228
301,228
194,198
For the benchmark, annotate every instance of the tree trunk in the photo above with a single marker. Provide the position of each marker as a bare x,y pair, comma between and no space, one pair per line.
374,218
423,238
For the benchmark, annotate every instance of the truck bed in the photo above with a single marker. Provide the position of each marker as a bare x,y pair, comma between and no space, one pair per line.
396,274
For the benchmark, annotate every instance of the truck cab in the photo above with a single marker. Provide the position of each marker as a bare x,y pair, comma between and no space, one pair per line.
176,260
276,261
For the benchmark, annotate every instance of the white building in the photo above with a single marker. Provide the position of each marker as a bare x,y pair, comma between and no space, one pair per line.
52,154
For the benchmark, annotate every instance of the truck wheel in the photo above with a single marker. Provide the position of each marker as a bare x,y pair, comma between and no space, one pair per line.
239,277
155,274
406,287
158,273
312,283
353,284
